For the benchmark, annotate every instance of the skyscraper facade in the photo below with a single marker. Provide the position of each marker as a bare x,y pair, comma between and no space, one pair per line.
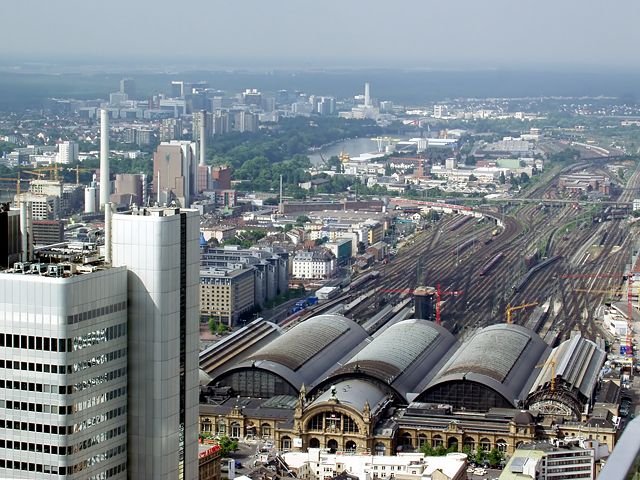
159,247
63,372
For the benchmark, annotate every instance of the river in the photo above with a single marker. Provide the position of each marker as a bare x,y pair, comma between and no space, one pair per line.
352,146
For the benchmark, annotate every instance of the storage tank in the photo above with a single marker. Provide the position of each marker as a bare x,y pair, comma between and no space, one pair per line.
90,199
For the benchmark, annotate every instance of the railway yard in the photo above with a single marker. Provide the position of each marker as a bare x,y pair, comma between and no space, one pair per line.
565,258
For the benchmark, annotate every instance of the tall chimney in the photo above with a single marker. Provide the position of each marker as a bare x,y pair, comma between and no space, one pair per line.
107,232
105,191
29,251
203,139
158,188
367,98
24,234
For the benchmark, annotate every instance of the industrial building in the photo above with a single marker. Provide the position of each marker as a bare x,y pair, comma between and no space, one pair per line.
326,384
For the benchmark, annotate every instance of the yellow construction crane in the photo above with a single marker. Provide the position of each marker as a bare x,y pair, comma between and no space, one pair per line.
79,169
518,307
551,361
53,171
18,181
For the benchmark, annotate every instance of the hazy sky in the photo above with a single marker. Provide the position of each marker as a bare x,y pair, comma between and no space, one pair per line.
373,33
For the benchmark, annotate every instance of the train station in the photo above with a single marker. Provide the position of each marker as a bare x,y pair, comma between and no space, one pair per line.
326,383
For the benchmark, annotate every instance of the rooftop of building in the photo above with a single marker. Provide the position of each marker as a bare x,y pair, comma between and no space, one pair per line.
61,260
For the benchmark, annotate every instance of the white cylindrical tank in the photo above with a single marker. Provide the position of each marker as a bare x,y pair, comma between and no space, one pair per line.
90,196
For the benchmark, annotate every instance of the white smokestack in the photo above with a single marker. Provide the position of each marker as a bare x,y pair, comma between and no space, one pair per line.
203,139
23,232
105,191
158,187
107,232
29,232
367,97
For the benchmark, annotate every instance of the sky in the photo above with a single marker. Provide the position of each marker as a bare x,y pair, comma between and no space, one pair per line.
443,34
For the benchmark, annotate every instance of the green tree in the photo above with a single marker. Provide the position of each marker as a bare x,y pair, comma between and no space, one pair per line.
502,178
524,178
302,219
495,457
621,172
480,456
472,178
227,445
213,326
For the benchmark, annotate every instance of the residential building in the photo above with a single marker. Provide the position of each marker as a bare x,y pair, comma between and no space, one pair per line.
319,465
67,152
63,381
226,294
170,129
270,268
315,264
198,119
245,121
159,247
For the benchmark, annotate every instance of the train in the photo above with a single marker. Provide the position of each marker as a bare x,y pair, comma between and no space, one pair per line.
463,246
362,279
490,264
460,223
527,276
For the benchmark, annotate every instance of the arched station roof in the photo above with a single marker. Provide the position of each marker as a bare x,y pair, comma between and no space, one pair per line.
503,359
306,352
402,356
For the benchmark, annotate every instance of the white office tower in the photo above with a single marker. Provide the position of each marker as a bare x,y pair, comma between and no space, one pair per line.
159,246
63,372
367,95
105,184
67,152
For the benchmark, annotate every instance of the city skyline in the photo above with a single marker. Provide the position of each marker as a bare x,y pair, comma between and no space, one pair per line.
494,34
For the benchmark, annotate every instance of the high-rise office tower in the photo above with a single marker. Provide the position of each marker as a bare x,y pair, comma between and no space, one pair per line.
63,371
159,247
128,87
367,95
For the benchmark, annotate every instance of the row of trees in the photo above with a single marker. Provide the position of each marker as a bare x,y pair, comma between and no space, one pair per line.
493,457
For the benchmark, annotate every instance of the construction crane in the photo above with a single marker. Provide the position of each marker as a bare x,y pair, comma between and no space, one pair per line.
517,307
551,361
79,169
439,294
18,182
53,171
